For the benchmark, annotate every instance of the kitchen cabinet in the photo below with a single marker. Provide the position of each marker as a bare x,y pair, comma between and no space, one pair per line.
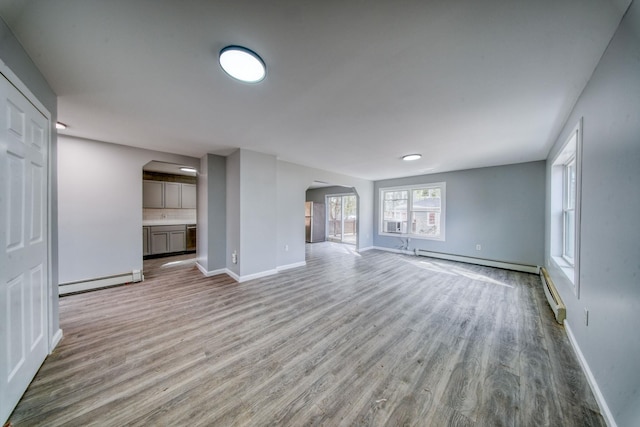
188,196
172,195
146,247
152,194
167,239
168,195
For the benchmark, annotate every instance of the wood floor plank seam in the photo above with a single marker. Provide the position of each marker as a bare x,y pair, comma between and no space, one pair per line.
348,339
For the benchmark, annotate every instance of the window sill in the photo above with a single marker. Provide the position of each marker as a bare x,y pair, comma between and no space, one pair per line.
567,269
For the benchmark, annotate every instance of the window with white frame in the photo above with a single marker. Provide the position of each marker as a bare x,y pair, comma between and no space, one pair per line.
416,211
569,211
565,207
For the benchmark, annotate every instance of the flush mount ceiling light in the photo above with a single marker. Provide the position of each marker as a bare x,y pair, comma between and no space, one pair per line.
242,64
410,157
191,170
60,126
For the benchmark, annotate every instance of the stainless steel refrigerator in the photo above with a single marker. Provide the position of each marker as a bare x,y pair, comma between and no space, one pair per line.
314,222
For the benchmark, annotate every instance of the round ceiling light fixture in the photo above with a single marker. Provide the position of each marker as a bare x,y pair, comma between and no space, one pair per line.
410,157
242,64
60,126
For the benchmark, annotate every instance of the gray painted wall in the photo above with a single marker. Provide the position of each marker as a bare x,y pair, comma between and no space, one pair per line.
100,207
609,232
233,210
258,234
15,57
318,195
212,213
501,208
292,183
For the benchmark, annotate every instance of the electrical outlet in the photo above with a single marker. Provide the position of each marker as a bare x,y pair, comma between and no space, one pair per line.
586,317
286,248
234,257
478,247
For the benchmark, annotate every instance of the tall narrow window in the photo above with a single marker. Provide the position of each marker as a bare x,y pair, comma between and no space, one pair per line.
569,211
565,208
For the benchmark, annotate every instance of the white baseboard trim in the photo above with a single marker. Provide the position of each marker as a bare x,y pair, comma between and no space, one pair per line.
234,276
102,282
604,408
368,248
290,266
55,339
211,273
257,275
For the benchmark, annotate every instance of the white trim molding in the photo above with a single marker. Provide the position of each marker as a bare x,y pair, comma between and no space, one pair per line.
290,266
55,340
602,403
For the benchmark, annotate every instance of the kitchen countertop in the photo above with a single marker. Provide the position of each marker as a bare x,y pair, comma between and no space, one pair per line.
152,222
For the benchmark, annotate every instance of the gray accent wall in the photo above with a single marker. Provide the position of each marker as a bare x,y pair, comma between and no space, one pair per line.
100,207
16,58
501,208
609,277
212,213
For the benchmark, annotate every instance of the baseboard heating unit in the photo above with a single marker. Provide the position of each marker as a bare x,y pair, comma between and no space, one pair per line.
480,261
103,282
550,291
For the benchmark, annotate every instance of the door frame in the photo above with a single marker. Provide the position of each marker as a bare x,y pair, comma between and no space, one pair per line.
353,193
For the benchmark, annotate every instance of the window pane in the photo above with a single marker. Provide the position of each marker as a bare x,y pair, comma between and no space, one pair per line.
569,236
395,210
425,223
571,185
395,195
426,199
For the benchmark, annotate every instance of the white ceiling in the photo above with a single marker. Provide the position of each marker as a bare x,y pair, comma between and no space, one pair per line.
351,86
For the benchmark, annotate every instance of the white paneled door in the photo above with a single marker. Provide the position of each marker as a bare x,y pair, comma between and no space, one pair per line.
24,276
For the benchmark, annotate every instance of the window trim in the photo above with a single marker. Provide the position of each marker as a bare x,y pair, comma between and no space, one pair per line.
566,209
410,189
570,151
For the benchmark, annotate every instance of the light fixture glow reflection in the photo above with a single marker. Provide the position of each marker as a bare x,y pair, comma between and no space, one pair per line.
410,157
242,64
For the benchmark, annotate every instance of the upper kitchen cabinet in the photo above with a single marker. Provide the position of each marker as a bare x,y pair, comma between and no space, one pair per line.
168,195
153,194
188,196
172,195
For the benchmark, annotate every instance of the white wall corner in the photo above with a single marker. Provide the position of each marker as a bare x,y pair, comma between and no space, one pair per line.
213,272
55,340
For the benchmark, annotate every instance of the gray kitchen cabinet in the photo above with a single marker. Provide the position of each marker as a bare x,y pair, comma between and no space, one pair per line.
172,195
152,194
167,239
188,196
146,247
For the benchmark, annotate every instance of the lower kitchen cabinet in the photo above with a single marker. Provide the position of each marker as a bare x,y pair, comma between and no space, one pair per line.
146,247
167,239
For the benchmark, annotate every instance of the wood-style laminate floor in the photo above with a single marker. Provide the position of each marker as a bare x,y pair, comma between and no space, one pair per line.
367,339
